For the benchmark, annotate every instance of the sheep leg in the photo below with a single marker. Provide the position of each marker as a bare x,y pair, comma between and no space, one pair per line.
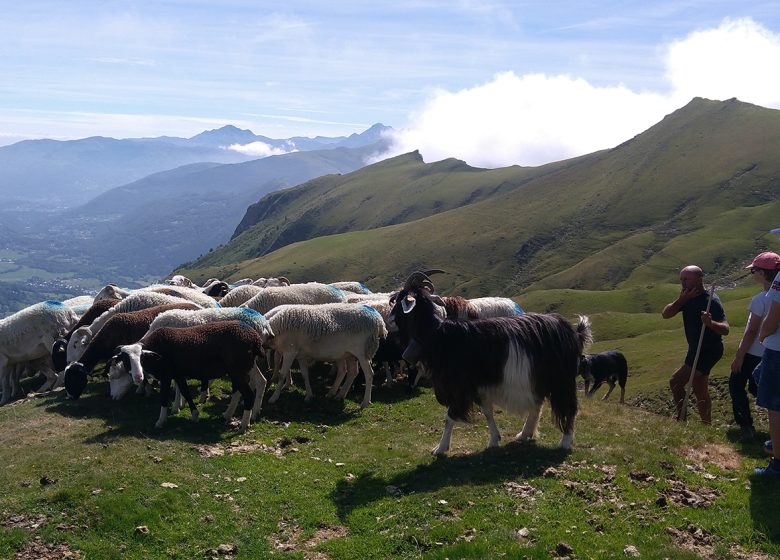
305,374
388,371
185,392
287,361
52,377
15,378
368,371
178,399
446,436
260,383
165,394
232,405
51,380
495,434
249,401
352,373
529,430
204,390
341,372
611,387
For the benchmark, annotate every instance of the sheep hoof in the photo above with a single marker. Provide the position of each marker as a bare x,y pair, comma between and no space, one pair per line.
158,425
439,451
364,404
308,398
195,417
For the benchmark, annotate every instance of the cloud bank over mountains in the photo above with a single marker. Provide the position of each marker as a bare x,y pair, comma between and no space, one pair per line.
260,149
533,119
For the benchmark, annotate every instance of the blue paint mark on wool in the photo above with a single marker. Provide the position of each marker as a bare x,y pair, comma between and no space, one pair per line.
370,310
52,303
337,292
249,312
518,309
363,286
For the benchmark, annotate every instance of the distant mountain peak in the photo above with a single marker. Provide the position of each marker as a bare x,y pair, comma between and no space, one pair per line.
228,134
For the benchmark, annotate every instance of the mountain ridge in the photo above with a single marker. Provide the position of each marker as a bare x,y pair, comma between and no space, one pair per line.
611,218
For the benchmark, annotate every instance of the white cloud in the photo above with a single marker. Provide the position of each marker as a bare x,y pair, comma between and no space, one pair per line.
259,149
538,118
738,59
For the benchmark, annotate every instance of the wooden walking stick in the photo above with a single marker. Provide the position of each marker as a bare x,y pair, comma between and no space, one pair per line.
689,386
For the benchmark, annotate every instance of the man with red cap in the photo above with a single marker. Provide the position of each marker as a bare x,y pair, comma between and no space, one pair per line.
763,268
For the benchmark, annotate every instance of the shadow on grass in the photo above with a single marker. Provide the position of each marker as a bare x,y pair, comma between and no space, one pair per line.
509,462
135,415
764,501
752,447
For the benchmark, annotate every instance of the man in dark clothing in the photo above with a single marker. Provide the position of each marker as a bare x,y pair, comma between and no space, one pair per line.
692,301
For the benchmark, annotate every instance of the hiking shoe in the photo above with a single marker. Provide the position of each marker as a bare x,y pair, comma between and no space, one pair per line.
773,468
768,446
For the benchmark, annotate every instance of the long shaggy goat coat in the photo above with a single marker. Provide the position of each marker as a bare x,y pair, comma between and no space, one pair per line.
513,362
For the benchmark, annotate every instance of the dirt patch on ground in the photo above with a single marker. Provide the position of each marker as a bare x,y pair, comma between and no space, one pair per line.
289,539
683,495
30,522
702,543
36,549
718,454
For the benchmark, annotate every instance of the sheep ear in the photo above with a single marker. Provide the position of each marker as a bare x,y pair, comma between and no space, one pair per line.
408,303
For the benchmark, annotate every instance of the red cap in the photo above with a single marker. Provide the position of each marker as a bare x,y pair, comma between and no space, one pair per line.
767,261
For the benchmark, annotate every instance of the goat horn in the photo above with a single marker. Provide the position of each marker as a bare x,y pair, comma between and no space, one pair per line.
417,279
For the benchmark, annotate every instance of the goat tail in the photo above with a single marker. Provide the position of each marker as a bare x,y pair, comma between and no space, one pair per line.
563,391
584,333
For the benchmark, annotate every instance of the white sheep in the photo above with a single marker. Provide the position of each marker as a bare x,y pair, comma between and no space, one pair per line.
271,282
239,295
191,294
296,294
334,333
28,335
112,291
136,301
354,287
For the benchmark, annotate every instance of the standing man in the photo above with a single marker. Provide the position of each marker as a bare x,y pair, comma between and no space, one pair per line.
767,374
692,301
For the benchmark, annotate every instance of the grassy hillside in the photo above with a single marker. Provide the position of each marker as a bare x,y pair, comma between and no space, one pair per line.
700,186
325,481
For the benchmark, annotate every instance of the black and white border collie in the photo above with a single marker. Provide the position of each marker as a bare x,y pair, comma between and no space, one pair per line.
512,362
605,367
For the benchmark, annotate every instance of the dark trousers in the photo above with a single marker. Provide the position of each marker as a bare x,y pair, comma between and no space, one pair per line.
739,398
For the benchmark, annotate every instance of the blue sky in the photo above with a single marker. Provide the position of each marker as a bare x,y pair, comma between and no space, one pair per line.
441,71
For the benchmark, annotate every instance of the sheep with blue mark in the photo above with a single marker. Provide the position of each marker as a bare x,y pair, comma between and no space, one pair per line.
178,319
354,287
312,293
201,352
121,328
134,302
28,335
337,332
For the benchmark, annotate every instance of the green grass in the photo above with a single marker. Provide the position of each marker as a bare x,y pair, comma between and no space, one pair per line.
333,469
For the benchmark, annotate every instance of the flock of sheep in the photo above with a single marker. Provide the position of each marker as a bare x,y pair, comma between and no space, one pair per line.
178,331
